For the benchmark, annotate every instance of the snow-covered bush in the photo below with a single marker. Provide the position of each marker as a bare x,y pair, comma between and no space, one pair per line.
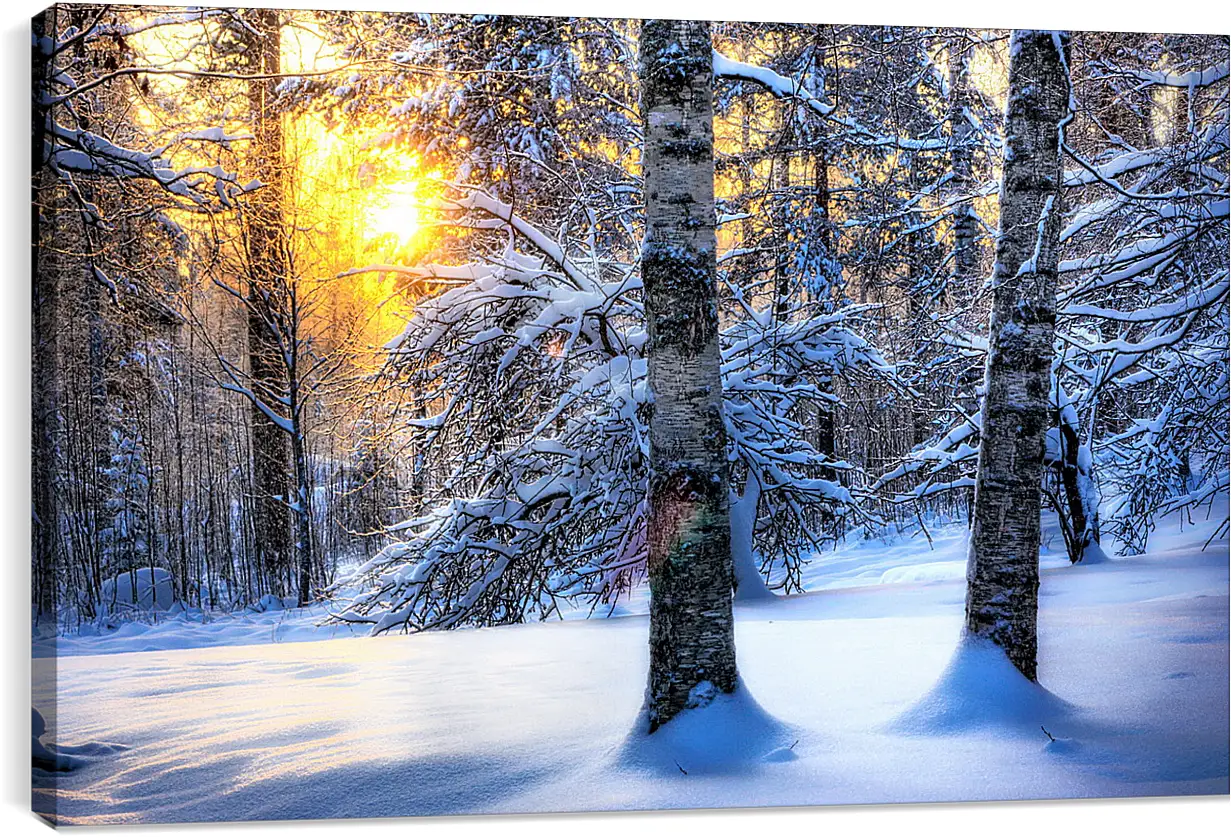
530,384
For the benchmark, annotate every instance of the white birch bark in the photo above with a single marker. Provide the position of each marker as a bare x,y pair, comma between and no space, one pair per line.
1003,566
692,642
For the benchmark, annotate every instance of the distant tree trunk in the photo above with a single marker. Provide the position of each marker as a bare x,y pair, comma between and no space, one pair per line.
823,421
103,482
1003,568
780,197
1070,475
267,276
44,348
1079,517
820,162
692,639
965,254
302,507
965,222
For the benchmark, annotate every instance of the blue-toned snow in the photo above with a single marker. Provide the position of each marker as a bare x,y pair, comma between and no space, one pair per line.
857,692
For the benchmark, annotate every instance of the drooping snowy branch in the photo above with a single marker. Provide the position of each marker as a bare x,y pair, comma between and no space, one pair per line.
531,382
785,88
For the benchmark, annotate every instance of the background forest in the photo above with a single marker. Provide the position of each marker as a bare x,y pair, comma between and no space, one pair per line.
349,305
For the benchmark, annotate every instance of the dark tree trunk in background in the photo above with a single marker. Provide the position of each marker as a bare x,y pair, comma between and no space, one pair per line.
267,279
823,422
692,639
780,194
1003,567
105,481
965,222
44,347
303,489
1070,478
1079,515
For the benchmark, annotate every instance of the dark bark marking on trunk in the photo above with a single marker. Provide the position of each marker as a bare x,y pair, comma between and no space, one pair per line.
1003,566
692,641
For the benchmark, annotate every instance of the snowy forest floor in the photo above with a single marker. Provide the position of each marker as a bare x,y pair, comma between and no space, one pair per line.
854,694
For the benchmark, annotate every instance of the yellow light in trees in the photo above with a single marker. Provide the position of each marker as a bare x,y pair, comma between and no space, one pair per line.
394,211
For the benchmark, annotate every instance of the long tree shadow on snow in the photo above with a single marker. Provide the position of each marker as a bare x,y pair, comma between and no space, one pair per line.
233,789
982,693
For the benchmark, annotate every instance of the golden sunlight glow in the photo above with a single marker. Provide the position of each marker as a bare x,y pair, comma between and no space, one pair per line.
355,197
394,211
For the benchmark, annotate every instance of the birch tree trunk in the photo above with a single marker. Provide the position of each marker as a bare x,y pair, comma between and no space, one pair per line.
965,252
267,268
692,640
1002,592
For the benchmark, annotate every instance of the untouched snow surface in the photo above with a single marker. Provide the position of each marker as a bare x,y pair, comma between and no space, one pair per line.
859,692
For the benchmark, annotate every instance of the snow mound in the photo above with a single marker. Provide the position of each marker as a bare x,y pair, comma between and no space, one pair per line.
1094,554
156,595
727,733
981,689
925,573
59,759
45,757
749,584
270,603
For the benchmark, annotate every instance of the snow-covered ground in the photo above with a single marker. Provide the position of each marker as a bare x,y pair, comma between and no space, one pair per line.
856,692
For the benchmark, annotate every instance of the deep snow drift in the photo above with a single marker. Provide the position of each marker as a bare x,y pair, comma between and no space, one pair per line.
857,692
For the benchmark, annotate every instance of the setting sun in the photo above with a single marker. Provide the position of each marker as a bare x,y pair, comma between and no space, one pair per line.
394,211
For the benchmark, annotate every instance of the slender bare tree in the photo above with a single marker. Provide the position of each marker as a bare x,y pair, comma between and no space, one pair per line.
44,352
